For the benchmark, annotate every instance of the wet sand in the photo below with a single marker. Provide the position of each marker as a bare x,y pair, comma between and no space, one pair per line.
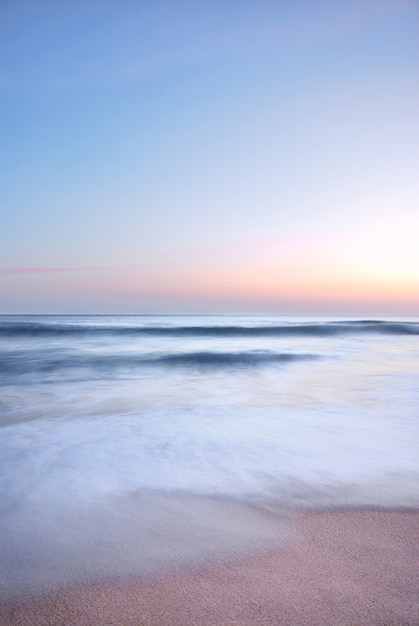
339,568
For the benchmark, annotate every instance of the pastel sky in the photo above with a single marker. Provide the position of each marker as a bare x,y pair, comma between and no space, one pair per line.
256,156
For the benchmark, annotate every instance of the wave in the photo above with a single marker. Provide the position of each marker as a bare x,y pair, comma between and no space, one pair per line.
23,363
318,329
253,357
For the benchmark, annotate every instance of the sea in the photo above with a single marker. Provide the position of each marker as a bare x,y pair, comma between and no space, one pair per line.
135,444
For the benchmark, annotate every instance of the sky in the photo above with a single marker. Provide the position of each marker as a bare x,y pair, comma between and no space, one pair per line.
234,156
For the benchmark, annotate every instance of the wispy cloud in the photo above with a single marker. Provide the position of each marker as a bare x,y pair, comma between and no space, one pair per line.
112,46
47,270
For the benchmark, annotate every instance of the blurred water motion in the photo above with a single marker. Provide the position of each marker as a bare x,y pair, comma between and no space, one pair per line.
133,443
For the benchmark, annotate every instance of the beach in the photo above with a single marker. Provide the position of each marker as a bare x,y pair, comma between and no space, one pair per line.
341,568
208,470
209,313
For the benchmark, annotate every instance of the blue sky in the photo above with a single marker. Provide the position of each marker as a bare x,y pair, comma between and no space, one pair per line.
209,156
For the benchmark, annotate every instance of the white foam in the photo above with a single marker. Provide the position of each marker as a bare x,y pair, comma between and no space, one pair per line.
163,459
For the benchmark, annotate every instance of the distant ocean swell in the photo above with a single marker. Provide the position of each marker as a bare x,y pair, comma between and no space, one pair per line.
9,329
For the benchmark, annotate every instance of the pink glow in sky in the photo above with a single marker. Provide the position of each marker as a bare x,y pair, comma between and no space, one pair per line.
209,157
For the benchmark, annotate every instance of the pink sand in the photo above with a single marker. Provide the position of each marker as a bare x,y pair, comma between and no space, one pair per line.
342,568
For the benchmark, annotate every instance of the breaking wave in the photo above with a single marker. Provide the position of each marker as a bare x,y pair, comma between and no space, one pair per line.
13,363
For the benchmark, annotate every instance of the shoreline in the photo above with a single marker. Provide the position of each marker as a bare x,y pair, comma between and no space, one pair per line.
342,567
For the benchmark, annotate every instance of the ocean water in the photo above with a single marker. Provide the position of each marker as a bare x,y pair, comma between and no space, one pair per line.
134,443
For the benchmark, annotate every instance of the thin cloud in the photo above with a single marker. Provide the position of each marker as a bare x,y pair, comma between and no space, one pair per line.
47,270
59,270
106,46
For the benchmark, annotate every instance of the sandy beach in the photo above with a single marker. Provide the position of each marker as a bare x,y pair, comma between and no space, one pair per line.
340,568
